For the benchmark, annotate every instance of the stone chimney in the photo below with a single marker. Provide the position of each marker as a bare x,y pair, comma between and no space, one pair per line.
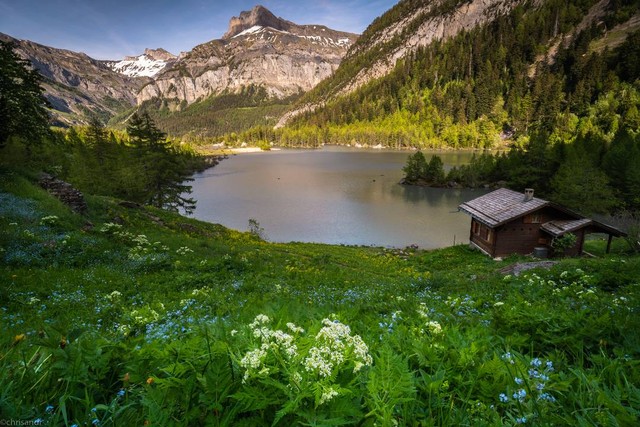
528,194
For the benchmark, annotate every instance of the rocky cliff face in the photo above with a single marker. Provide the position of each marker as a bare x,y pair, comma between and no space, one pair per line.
426,25
258,49
411,25
77,85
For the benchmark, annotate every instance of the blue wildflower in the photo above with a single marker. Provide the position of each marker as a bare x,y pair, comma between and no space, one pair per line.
518,380
503,397
95,422
533,373
121,393
49,409
549,365
94,409
536,363
520,394
521,420
547,397
540,386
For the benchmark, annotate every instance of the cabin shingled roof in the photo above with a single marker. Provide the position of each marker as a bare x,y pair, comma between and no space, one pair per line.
558,227
501,206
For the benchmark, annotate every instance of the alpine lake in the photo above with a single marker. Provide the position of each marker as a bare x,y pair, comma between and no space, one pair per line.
334,195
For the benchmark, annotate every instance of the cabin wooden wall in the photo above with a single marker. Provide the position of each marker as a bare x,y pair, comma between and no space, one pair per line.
521,235
486,241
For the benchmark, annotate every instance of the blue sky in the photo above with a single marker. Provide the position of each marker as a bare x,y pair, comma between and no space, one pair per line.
111,29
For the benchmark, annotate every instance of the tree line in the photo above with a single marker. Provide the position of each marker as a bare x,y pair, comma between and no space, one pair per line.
140,164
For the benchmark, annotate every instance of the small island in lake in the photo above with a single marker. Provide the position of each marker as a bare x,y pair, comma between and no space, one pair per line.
478,173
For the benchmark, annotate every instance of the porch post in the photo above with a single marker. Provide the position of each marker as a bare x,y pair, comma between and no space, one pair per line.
609,242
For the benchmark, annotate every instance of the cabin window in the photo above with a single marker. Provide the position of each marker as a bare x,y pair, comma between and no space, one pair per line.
482,231
532,218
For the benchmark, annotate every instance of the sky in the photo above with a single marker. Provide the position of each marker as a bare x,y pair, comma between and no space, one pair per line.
112,29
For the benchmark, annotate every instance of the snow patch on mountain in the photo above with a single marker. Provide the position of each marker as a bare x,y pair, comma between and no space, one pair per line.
150,63
259,32
140,66
251,30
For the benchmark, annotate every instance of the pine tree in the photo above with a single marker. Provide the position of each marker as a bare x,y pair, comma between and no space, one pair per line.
416,168
579,185
165,171
434,173
23,108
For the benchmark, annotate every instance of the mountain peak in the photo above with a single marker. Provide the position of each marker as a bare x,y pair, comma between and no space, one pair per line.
258,16
159,54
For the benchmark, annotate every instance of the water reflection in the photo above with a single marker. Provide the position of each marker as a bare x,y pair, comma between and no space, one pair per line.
334,195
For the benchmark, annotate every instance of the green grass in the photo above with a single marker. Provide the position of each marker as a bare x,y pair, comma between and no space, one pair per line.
160,320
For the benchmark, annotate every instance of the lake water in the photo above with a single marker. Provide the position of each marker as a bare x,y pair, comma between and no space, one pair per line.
334,195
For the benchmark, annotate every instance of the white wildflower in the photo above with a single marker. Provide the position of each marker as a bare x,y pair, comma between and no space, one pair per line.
184,250
141,240
114,295
253,359
295,329
434,327
329,394
318,361
49,220
296,378
260,319
110,227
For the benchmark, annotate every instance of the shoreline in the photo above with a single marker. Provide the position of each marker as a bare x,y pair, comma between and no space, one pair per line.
216,150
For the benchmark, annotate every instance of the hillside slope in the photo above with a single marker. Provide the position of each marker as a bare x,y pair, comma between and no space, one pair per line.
473,73
130,315
77,85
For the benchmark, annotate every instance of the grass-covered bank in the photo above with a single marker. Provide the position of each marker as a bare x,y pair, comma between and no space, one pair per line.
140,316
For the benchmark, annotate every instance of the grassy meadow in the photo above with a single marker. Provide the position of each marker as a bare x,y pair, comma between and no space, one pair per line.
137,316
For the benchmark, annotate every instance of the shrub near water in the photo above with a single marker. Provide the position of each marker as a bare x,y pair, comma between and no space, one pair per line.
226,329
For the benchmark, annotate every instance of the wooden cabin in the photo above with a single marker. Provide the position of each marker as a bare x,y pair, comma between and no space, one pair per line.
505,222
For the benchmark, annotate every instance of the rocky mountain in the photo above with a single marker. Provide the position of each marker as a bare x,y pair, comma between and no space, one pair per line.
412,25
150,63
259,49
77,85
475,73
408,26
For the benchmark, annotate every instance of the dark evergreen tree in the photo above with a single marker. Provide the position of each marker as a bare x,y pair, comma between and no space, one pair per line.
23,108
434,173
416,168
579,185
164,171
